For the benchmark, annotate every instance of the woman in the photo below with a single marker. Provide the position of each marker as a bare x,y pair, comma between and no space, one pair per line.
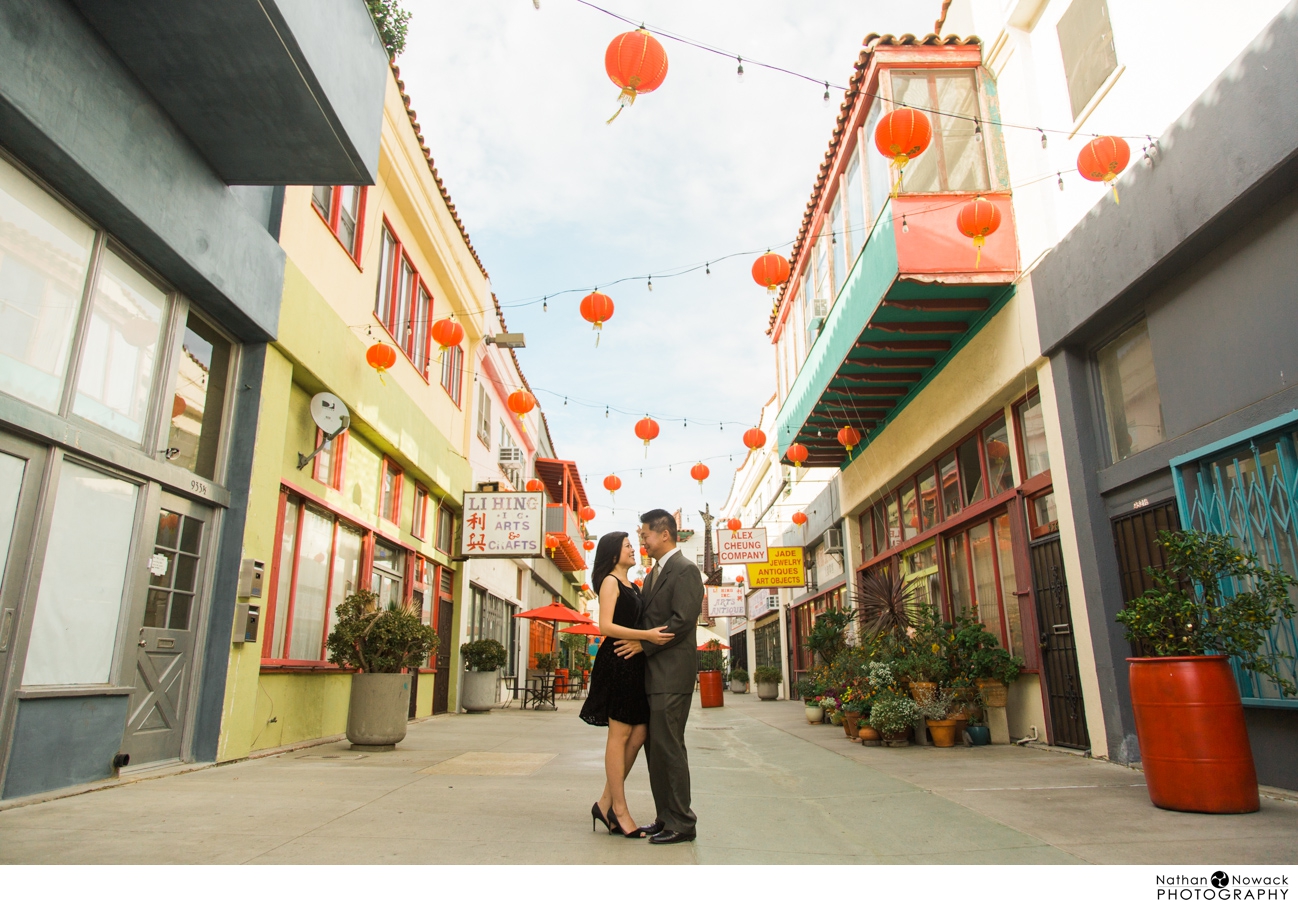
617,697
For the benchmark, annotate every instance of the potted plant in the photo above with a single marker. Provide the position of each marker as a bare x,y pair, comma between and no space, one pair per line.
827,634
810,692
380,644
937,711
738,681
894,716
768,679
546,662
977,730
1212,604
853,706
482,660
833,708
712,664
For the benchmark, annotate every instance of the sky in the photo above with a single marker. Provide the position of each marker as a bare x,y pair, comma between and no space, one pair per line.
513,102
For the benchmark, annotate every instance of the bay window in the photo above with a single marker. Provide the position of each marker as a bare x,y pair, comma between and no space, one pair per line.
838,246
956,160
854,227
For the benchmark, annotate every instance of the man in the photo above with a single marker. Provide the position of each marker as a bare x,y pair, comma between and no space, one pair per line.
672,596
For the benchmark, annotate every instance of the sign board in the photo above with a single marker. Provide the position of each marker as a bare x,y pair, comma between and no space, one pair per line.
741,546
503,525
726,602
784,568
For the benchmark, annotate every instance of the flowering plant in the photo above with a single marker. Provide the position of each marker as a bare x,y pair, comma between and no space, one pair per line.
892,714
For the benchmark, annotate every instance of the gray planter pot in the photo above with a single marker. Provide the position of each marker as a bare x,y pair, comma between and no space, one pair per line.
480,691
739,687
768,690
376,715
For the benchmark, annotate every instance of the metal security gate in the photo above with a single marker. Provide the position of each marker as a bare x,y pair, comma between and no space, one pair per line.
739,650
1135,537
1058,646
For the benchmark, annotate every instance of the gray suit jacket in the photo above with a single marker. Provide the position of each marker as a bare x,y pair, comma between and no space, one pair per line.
676,601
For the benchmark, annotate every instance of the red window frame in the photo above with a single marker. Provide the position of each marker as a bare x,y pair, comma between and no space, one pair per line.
453,374
444,513
419,513
391,468
332,216
415,344
1005,599
337,460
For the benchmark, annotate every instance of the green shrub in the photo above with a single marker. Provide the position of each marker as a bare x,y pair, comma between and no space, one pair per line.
712,659
808,689
827,634
392,22
767,674
739,674
483,655
547,662
373,639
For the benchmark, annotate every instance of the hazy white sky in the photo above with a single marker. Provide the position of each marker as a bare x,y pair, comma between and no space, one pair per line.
512,102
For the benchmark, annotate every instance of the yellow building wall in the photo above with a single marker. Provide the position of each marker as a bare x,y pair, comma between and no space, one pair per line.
424,695
293,707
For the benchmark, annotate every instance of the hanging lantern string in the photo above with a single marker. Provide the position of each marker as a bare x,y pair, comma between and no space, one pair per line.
685,420
732,55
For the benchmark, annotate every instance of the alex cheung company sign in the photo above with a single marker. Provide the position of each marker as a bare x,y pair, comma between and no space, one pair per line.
503,525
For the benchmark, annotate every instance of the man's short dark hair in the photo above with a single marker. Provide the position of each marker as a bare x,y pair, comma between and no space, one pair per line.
659,520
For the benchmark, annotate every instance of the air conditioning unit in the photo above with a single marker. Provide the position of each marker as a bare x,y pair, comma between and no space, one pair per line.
820,309
511,457
833,542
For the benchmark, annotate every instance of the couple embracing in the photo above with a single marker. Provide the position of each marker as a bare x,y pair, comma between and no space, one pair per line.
642,682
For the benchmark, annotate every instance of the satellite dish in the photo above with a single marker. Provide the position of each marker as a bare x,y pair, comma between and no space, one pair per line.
329,413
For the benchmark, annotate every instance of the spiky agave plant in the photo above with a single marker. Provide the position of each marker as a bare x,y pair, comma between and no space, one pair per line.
884,603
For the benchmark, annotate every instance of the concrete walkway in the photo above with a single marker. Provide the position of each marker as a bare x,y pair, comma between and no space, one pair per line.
513,787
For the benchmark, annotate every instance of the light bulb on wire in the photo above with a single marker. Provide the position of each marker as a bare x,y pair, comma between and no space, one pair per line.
978,130
826,94
1043,136
740,72
1061,181
651,283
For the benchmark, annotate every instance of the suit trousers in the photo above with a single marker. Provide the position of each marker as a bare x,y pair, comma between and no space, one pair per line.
669,768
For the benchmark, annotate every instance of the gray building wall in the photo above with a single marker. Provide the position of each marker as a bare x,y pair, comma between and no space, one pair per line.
1203,246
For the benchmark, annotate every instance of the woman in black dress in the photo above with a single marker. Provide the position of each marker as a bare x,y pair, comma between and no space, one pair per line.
617,696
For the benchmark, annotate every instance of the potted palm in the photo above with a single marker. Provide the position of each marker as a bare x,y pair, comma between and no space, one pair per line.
768,679
712,664
380,645
1214,603
738,681
482,662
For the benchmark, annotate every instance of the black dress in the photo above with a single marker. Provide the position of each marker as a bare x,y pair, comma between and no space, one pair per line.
617,684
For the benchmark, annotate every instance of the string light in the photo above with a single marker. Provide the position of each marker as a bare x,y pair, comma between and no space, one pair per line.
651,283
1061,181
740,71
905,228
545,304
1043,136
978,130
826,94
707,267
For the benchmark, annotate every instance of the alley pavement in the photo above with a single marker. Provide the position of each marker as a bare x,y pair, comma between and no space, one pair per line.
516,787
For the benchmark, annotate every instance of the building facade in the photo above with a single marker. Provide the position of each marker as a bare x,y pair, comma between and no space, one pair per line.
139,286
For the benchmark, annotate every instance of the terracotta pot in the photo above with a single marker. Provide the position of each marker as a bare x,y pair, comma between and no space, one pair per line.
942,732
995,693
851,721
1193,742
815,715
923,691
868,736
711,689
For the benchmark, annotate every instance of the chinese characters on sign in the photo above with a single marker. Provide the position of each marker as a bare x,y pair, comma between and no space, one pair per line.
783,569
726,602
741,546
503,525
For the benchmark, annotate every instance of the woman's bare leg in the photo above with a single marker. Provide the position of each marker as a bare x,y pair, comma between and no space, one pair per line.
615,770
634,743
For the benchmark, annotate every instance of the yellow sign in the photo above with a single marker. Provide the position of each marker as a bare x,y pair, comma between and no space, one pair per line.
782,569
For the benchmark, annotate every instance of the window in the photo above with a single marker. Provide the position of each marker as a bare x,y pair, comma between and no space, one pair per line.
387,573
1086,43
343,210
445,530
1032,432
950,480
484,415
492,618
329,463
980,576
390,492
317,565
1042,516
996,444
1133,410
854,229
201,373
838,245
877,167
919,566
928,512
44,260
453,372
955,160
824,289
419,517
403,304
387,277
867,535
420,340
971,474
909,512
894,522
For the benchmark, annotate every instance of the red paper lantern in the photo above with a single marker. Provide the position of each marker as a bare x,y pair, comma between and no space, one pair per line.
596,308
978,218
754,439
797,453
700,472
644,552
381,358
535,485
612,484
447,333
552,541
637,64
849,438
739,579
734,523
799,518
646,430
585,587
1102,159
588,545
587,514
998,449
771,270
521,403
902,134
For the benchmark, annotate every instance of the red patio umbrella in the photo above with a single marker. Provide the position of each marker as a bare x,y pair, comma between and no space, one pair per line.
590,630
706,645
555,611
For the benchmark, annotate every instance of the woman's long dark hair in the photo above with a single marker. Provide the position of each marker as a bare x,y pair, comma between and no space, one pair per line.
607,555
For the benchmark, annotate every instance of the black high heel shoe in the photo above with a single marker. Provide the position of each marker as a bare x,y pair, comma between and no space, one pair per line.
615,827
597,814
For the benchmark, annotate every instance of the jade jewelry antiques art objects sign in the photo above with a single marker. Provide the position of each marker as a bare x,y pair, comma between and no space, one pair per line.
503,525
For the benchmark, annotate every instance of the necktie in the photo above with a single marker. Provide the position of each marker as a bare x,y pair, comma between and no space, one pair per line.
653,578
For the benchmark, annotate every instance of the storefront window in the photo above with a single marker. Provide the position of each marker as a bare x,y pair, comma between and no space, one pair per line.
996,442
956,160
1133,409
984,579
957,574
44,257
1009,584
971,474
946,469
348,547
920,566
867,535
196,410
1033,426
980,575
909,512
894,523
388,573
312,587
928,499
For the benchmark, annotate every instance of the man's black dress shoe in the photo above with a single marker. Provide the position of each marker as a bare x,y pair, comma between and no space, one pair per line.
667,837
653,828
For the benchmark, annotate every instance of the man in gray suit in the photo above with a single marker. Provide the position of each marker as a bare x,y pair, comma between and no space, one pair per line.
672,596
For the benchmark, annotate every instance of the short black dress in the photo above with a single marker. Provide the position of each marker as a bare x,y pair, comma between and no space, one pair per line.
616,684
